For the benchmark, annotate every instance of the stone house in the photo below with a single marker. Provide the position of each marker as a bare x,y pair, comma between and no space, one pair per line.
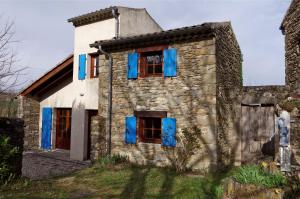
57,108
165,82
136,91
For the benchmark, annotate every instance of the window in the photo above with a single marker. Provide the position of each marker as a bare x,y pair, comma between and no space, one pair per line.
151,63
150,129
93,66
149,125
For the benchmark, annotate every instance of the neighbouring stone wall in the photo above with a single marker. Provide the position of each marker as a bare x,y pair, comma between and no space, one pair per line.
190,97
29,111
8,105
229,86
14,129
98,138
292,46
295,137
264,94
275,95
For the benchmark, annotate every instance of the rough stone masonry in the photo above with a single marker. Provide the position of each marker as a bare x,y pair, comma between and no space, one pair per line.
204,94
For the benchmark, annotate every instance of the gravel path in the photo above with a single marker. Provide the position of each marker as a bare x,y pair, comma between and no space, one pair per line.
41,165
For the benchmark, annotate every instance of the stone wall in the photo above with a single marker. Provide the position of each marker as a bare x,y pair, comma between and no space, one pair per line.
8,105
14,129
264,94
291,27
229,86
29,111
98,138
295,137
190,97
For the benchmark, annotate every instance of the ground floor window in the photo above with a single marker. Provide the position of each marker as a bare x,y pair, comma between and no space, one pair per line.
149,125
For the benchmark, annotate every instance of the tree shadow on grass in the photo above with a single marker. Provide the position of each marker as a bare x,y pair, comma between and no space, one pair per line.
135,188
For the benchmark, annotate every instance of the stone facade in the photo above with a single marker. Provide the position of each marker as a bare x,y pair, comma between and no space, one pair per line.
229,86
29,111
98,139
14,129
291,29
190,97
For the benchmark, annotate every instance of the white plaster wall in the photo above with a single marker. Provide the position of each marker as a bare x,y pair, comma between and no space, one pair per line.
86,91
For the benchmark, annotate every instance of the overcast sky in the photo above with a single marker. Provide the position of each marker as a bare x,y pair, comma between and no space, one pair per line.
46,36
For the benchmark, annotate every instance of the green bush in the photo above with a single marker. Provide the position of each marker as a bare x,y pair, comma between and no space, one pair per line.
251,174
7,154
113,160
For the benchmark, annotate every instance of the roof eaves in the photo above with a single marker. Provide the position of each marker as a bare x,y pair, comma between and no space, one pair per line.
204,30
23,91
91,17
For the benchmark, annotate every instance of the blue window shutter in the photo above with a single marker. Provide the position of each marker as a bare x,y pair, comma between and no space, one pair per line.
169,132
170,62
46,127
130,133
82,66
132,67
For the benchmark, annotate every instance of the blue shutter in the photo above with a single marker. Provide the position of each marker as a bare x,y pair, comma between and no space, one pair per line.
169,132
170,62
132,67
46,128
130,133
82,66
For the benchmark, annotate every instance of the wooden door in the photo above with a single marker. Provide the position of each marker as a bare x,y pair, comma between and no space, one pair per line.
63,128
258,128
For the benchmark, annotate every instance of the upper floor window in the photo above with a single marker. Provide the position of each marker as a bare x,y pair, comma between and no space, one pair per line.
151,63
157,61
94,73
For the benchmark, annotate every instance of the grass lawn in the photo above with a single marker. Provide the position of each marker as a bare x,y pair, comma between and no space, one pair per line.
120,181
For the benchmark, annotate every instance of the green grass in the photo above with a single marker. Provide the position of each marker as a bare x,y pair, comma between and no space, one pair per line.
118,181
251,174
106,179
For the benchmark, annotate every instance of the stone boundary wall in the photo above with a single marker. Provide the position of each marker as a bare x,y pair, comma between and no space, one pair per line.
274,95
8,105
29,111
14,129
264,94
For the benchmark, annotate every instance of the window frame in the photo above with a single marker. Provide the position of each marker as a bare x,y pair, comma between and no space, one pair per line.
93,65
141,117
142,70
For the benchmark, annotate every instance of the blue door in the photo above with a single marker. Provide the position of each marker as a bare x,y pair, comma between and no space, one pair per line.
46,128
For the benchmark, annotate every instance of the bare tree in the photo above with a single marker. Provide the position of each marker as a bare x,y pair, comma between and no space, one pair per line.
9,71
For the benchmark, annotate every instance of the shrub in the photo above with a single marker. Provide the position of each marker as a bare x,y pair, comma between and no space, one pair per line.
113,160
289,105
251,174
187,142
7,154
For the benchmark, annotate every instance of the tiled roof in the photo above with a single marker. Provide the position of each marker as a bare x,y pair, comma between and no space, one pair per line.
205,30
91,17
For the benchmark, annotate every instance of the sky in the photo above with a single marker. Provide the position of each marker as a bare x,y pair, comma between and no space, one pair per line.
45,37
